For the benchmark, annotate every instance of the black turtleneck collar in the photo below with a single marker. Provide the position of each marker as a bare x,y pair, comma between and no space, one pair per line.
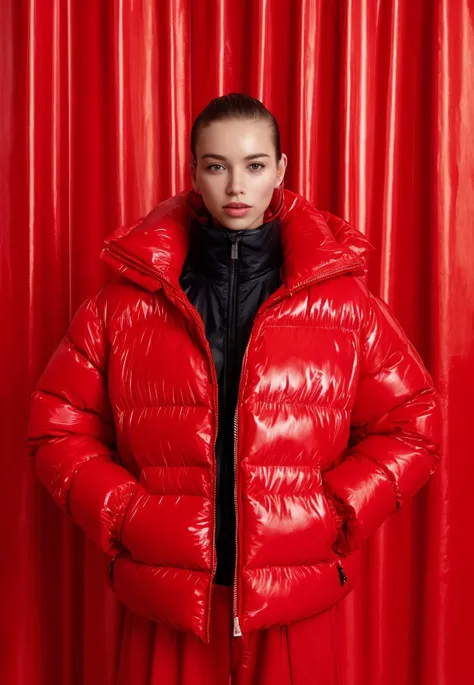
210,249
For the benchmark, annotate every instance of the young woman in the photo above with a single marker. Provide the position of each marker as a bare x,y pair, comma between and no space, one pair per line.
231,417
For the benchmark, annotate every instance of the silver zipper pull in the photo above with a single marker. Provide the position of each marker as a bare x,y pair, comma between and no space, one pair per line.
234,253
237,631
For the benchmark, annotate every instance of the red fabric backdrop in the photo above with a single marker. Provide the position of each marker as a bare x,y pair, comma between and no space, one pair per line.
375,100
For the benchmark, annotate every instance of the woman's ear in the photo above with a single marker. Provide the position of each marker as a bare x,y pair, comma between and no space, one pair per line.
281,168
192,171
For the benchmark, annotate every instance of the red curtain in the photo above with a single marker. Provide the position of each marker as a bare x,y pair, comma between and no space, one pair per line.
375,100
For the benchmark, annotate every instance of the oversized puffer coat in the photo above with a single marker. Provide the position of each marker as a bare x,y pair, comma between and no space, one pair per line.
337,424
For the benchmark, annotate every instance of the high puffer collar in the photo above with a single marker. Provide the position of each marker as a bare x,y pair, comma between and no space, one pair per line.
315,244
259,249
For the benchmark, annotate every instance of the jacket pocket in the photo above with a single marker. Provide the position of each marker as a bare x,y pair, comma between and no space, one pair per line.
110,571
166,524
337,518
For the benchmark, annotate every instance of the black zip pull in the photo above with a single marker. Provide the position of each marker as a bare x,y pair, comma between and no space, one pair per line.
235,239
342,575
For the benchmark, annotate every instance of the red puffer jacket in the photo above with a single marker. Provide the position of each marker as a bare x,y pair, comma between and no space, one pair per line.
337,424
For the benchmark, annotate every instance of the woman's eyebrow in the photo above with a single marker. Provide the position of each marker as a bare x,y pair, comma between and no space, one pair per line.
223,159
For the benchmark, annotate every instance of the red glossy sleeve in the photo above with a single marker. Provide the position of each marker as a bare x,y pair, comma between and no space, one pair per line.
395,431
71,435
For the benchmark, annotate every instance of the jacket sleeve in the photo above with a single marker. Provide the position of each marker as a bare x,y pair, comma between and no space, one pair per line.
395,432
71,433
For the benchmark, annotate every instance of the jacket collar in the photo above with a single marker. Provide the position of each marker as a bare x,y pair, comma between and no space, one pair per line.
315,244
259,250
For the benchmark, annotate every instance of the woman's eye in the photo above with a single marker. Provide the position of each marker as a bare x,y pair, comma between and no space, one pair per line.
256,166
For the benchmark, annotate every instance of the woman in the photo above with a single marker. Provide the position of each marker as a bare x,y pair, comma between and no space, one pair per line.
232,416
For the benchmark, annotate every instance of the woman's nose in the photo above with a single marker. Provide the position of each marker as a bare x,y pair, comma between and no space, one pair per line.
235,185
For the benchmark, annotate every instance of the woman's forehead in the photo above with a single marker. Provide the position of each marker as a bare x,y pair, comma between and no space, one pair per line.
235,138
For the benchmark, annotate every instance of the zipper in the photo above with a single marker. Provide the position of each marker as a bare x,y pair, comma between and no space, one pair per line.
137,263
229,366
234,256
237,629
328,272
271,301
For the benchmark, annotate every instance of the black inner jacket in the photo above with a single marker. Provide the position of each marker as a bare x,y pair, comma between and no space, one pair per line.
227,275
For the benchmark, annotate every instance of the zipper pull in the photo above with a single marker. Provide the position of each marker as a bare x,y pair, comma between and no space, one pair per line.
237,631
234,253
342,575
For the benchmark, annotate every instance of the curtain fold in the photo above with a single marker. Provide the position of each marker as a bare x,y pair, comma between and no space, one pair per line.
375,101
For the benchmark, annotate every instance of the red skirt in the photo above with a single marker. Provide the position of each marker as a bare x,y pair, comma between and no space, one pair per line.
302,653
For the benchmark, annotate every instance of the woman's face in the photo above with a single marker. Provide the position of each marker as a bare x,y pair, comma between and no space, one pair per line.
236,162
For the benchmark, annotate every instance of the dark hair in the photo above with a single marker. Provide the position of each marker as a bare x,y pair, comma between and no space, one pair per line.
234,106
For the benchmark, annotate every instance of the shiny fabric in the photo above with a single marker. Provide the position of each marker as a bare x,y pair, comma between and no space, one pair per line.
375,106
227,292
337,425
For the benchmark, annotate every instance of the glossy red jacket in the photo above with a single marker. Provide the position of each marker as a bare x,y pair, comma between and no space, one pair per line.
337,424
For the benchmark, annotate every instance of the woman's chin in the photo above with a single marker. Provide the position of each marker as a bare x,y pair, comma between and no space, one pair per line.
235,223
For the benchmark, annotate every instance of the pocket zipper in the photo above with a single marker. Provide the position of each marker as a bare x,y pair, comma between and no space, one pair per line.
342,575
111,570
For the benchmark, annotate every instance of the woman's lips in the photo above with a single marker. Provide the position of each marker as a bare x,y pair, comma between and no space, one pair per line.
237,211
